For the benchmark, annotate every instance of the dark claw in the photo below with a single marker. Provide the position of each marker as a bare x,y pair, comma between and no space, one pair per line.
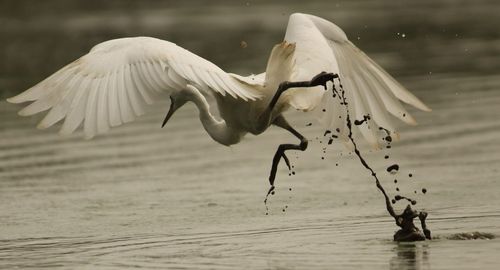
323,78
287,161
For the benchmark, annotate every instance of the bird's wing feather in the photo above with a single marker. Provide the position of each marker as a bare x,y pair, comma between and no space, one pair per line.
112,84
323,46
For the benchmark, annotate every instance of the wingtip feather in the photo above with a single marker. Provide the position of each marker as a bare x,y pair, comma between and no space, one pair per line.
408,119
425,108
13,100
42,126
24,96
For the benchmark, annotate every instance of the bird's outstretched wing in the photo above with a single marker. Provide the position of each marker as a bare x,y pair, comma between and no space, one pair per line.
112,84
323,46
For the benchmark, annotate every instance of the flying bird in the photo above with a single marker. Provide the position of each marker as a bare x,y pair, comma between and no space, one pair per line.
114,82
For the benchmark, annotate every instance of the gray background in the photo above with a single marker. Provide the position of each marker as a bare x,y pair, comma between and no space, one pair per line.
145,197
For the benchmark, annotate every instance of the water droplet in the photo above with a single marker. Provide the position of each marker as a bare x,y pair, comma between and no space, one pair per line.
393,168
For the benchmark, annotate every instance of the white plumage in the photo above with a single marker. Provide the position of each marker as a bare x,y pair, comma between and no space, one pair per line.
113,83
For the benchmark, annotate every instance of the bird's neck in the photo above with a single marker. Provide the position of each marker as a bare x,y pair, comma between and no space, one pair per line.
217,129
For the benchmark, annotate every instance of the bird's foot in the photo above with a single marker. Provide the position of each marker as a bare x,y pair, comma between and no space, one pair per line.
287,161
280,154
322,78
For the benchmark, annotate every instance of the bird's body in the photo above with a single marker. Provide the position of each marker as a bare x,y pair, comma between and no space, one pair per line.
113,83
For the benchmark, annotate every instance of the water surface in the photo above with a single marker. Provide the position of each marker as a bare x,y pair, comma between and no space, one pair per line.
147,197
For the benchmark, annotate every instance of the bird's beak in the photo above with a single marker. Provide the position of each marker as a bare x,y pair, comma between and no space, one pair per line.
174,106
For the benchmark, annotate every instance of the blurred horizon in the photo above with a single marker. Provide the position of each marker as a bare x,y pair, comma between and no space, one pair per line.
408,38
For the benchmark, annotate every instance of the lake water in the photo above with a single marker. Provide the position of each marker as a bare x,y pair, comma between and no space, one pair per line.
171,198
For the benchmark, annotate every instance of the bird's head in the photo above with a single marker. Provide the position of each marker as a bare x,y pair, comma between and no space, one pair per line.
179,99
176,101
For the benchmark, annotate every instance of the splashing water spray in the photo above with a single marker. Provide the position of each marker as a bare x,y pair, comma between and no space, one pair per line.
408,232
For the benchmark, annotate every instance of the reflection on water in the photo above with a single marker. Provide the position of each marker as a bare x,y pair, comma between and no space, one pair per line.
410,256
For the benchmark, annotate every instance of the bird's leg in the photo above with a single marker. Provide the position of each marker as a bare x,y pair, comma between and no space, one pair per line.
320,79
280,153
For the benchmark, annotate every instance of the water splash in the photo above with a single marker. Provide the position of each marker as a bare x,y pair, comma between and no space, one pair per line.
408,231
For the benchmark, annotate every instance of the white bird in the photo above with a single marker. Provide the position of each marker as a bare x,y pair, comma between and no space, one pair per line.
113,83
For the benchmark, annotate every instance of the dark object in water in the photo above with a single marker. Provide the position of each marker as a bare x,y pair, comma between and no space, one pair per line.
399,197
409,232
